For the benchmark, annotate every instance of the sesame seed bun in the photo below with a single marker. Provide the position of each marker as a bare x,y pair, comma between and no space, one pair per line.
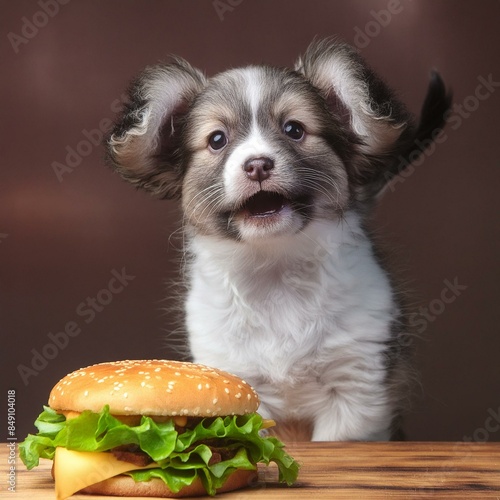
156,388
125,486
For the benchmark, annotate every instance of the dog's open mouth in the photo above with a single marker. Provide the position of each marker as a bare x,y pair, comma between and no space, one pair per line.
264,204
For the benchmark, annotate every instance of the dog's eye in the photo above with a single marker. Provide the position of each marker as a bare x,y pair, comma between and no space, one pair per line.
217,140
294,130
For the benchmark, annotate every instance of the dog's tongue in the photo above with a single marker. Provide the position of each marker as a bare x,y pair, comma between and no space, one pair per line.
264,203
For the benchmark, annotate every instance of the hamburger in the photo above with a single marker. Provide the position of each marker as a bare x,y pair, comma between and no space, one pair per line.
153,428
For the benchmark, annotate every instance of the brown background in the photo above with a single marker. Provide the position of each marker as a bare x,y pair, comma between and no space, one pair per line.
60,239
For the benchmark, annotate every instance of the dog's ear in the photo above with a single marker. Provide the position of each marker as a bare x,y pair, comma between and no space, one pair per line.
380,128
144,144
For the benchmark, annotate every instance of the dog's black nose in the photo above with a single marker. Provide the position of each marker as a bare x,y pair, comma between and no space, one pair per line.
258,169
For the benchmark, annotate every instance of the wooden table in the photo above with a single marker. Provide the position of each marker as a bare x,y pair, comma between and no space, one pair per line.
342,470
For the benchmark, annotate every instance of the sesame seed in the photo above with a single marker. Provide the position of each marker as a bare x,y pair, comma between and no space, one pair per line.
238,396
177,374
125,395
86,393
157,369
147,377
200,387
226,390
226,381
116,388
207,386
144,383
215,401
249,397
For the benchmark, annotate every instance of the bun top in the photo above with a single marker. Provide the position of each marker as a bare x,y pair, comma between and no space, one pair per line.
154,387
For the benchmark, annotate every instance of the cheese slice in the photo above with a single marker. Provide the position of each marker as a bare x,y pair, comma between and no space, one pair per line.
74,470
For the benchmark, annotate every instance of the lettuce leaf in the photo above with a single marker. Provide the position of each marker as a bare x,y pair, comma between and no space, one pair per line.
181,457
179,475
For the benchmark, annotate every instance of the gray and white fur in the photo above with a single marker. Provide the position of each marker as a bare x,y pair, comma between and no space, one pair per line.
277,171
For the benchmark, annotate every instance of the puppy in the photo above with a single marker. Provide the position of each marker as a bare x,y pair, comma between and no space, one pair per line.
277,171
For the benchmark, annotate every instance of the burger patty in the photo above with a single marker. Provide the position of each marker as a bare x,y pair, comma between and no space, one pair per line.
221,454
134,455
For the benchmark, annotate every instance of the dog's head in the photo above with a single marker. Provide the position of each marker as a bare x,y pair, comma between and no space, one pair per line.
260,151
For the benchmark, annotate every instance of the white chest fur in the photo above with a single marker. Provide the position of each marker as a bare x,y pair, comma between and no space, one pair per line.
305,320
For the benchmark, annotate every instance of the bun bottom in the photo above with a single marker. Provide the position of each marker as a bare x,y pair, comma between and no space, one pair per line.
125,486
